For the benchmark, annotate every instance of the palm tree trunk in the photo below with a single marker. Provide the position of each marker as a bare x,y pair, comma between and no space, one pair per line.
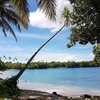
29,61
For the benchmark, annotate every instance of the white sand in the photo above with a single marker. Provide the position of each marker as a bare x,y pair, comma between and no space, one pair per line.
63,90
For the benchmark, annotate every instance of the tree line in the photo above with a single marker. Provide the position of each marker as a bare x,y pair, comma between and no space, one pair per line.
45,65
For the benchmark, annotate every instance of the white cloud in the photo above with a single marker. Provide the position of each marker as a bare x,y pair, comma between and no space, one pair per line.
44,55
38,19
49,56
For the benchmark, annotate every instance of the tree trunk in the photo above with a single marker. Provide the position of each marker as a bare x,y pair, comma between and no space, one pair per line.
15,78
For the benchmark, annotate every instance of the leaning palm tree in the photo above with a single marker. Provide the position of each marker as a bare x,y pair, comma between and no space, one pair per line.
16,12
65,16
47,6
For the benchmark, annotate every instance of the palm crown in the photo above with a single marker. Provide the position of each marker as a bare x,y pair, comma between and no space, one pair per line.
16,12
10,14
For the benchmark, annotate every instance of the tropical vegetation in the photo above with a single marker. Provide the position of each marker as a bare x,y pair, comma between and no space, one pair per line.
16,12
8,90
96,52
84,21
45,65
11,14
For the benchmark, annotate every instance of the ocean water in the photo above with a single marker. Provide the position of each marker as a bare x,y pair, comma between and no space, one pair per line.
78,77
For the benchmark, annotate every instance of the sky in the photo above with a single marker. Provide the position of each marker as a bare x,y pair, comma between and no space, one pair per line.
40,30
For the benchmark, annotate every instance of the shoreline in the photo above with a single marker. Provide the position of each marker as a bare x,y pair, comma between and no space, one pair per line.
60,89
36,91
41,95
53,91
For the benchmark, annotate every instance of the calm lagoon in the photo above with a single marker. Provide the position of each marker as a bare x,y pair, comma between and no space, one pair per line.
83,78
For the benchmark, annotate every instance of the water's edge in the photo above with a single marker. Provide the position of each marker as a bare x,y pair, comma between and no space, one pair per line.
61,89
64,81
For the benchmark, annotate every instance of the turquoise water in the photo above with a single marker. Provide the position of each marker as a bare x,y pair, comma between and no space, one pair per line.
81,77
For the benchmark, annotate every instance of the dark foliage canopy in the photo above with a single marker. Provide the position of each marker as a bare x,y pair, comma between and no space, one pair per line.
85,22
96,52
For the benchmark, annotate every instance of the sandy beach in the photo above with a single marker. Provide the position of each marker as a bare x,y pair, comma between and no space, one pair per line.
63,90
36,91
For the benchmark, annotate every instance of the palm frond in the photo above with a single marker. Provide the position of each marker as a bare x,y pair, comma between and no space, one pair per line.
7,27
16,19
4,32
21,6
48,7
22,11
3,28
65,15
23,20
8,14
